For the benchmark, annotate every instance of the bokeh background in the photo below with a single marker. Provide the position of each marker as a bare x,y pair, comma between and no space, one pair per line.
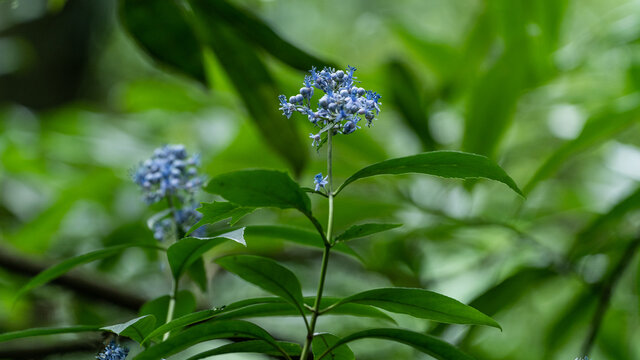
547,88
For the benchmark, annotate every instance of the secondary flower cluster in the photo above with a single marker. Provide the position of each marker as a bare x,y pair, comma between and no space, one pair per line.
340,109
184,218
113,351
169,172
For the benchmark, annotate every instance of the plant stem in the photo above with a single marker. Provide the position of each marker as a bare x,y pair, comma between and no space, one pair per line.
325,254
174,281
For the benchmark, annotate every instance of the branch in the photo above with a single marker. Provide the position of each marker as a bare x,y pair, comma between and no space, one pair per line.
89,287
34,351
605,294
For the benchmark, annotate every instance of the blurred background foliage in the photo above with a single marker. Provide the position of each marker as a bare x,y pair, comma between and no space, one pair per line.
548,88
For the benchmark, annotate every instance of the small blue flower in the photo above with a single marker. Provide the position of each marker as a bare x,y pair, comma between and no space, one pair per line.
319,181
316,139
113,351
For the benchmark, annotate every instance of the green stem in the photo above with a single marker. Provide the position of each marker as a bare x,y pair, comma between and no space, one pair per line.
174,281
325,255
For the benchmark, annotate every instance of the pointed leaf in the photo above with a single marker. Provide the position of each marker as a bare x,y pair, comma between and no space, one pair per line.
47,331
260,188
296,235
218,211
177,47
136,329
427,344
267,274
448,164
423,304
324,342
205,332
253,83
360,231
188,250
251,346
255,30
198,273
65,266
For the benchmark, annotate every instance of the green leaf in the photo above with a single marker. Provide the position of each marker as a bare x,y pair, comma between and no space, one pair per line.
252,81
597,130
185,304
65,266
265,306
360,231
260,188
423,304
324,342
136,329
218,211
204,332
46,331
251,346
177,47
188,250
427,344
255,30
295,235
448,164
266,274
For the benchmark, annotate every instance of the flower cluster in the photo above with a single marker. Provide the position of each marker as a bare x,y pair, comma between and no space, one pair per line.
113,351
341,107
184,218
169,172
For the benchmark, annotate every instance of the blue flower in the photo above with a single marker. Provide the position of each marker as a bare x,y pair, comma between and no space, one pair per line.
169,172
319,181
340,108
316,139
113,351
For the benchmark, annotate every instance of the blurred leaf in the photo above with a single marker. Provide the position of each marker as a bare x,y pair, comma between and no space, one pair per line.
572,319
218,211
260,188
255,30
185,304
198,273
266,274
408,99
325,341
252,81
177,47
295,235
251,346
65,266
363,230
422,304
599,230
427,344
205,332
186,251
46,331
597,130
448,164
492,103
136,329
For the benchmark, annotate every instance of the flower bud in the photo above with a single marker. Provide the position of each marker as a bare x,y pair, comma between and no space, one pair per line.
361,91
344,93
340,74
